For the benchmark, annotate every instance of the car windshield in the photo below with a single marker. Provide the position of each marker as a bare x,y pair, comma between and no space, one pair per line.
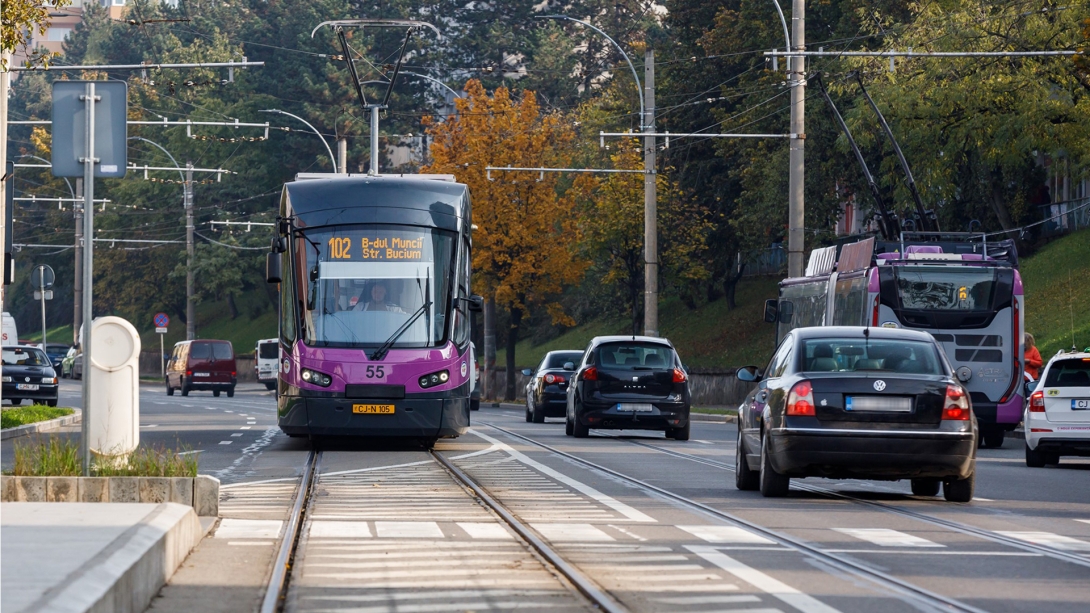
1072,372
945,288
861,354
267,351
635,356
24,357
363,283
557,360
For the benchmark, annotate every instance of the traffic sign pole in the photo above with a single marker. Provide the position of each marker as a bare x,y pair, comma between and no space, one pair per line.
161,321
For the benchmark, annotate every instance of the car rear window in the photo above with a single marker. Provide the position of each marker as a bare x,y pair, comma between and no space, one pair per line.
1072,372
200,351
267,351
635,355
557,360
222,351
861,354
25,357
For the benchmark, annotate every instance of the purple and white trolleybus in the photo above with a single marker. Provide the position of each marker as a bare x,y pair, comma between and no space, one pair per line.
375,306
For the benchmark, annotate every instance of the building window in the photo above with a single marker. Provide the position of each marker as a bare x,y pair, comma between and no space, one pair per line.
56,35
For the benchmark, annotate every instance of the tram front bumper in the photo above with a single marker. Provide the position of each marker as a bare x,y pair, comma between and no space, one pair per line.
411,417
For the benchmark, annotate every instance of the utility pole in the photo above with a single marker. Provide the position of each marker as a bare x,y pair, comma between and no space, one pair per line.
190,309
4,239
796,77
650,203
77,283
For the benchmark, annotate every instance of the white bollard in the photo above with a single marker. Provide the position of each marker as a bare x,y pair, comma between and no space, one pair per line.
114,426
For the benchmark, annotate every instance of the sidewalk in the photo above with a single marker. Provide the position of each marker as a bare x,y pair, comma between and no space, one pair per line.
76,557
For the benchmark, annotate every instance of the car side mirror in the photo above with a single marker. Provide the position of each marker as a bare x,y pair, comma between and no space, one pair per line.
272,268
787,310
772,311
527,372
569,365
750,374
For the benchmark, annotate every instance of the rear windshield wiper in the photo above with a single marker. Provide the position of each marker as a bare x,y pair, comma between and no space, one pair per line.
385,348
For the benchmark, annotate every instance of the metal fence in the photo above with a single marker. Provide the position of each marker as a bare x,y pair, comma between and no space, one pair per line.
769,261
1061,218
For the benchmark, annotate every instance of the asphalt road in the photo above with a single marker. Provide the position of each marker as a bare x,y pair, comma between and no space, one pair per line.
388,528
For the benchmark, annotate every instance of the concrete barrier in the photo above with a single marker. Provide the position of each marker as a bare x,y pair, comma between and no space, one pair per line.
202,492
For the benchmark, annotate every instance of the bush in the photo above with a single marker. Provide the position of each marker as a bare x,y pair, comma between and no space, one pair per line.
61,458
19,416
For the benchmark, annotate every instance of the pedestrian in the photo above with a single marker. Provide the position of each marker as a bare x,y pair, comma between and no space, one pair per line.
1033,363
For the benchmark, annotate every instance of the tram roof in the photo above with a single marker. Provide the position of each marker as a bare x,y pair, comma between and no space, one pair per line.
408,199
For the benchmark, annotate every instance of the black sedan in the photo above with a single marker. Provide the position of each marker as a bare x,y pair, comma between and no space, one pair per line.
857,403
629,382
547,390
28,373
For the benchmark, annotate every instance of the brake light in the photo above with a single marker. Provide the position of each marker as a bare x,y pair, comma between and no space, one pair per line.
680,376
874,316
189,373
1037,402
590,374
233,373
800,400
956,406
550,378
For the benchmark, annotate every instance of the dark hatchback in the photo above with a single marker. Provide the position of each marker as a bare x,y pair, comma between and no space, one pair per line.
857,403
28,374
547,391
629,382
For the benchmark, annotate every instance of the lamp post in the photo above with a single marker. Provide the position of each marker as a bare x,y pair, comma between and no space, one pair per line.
332,158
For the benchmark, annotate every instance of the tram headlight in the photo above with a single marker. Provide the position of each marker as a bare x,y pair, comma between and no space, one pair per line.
315,377
433,379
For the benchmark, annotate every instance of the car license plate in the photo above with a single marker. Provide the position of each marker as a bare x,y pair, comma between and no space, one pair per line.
382,409
635,408
879,404
30,387
201,374
1080,405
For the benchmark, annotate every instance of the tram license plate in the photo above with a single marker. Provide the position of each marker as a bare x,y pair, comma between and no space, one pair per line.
635,408
1081,404
382,409
30,387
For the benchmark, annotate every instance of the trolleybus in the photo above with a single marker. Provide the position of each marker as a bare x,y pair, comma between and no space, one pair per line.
375,306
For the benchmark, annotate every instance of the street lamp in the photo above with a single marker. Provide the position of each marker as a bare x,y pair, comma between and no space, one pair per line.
332,158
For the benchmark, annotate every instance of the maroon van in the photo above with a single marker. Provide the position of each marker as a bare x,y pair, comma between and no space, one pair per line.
202,365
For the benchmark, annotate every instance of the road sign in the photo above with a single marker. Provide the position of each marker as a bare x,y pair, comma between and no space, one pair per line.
69,145
42,277
48,294
160,330
161,320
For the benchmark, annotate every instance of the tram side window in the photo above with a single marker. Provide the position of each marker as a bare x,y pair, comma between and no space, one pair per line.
461,324
287,309
849,303
809,300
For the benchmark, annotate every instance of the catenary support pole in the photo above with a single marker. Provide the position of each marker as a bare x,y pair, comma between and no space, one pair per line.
796,71
650,204
374,140
5,57
41,292
77,282
88,268
342,156
190,308
489,390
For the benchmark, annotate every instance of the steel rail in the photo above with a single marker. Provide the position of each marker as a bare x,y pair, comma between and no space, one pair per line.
278,582
598,597
858,569
937,521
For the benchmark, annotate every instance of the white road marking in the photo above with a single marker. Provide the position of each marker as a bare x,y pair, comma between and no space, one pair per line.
251,543
627,532
237,434
604,499
763,582
571,532
226,442
979,499
339,529
150,426
1049,539
226,411
1085,521
484,530
709,600
245,428
703,442
230,528
887,538
408,529
725,534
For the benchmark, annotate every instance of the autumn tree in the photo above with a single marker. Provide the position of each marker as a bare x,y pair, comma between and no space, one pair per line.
523,249
20,18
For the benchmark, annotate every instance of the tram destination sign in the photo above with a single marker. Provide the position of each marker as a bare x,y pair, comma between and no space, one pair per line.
380,246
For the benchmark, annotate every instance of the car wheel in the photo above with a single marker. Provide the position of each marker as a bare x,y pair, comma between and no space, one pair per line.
925,487
772,483
578,429
270,385
51,403
745,478
16,402
568,429
231,392
538,414
959,490
170,390
529,415
185,389
993,437
216,393
1034,458
678,434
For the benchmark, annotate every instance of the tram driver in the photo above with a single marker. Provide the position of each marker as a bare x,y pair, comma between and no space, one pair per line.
373,298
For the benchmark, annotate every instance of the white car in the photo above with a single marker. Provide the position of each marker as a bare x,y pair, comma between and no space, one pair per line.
1057,418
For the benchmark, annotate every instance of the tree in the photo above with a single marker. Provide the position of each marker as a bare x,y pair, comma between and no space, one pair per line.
524,247
18,18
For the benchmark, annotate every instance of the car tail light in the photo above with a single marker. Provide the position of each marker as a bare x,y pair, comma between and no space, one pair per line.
590,374
189,373
956,406
1037,402
233,373
680,376
800,400
550,378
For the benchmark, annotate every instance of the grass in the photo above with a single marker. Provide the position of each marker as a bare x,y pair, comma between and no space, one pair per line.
213,321
54,457
20,416
713,410
59,334
1058,294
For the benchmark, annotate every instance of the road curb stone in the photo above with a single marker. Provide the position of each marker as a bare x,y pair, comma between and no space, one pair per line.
41,426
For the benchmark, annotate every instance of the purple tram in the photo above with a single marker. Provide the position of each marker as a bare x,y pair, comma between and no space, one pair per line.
375,307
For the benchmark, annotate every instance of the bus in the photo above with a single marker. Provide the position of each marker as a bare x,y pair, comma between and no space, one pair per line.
375,306
963,290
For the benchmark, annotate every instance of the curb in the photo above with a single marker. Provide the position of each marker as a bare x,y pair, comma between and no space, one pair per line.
41,426
202,492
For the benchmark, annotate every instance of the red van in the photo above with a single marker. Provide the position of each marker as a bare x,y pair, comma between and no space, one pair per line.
202,365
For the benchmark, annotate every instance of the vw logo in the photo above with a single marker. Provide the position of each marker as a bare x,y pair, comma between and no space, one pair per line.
879,385
27,379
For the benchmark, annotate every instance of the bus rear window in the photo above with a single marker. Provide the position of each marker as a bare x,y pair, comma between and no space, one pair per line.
945,288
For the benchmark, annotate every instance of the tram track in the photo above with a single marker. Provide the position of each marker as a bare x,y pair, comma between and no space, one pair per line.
956,526
277,588
882,580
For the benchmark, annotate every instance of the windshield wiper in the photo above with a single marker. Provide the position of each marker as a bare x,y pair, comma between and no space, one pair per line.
385,348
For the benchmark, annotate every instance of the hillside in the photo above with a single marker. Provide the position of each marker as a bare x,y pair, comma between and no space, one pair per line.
1058,295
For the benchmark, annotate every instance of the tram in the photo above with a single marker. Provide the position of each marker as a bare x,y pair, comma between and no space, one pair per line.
963,290
375,306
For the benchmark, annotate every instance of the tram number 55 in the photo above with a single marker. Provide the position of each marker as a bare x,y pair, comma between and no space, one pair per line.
339,248
375,372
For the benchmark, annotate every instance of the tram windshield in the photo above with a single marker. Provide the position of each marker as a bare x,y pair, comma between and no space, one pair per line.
362,284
